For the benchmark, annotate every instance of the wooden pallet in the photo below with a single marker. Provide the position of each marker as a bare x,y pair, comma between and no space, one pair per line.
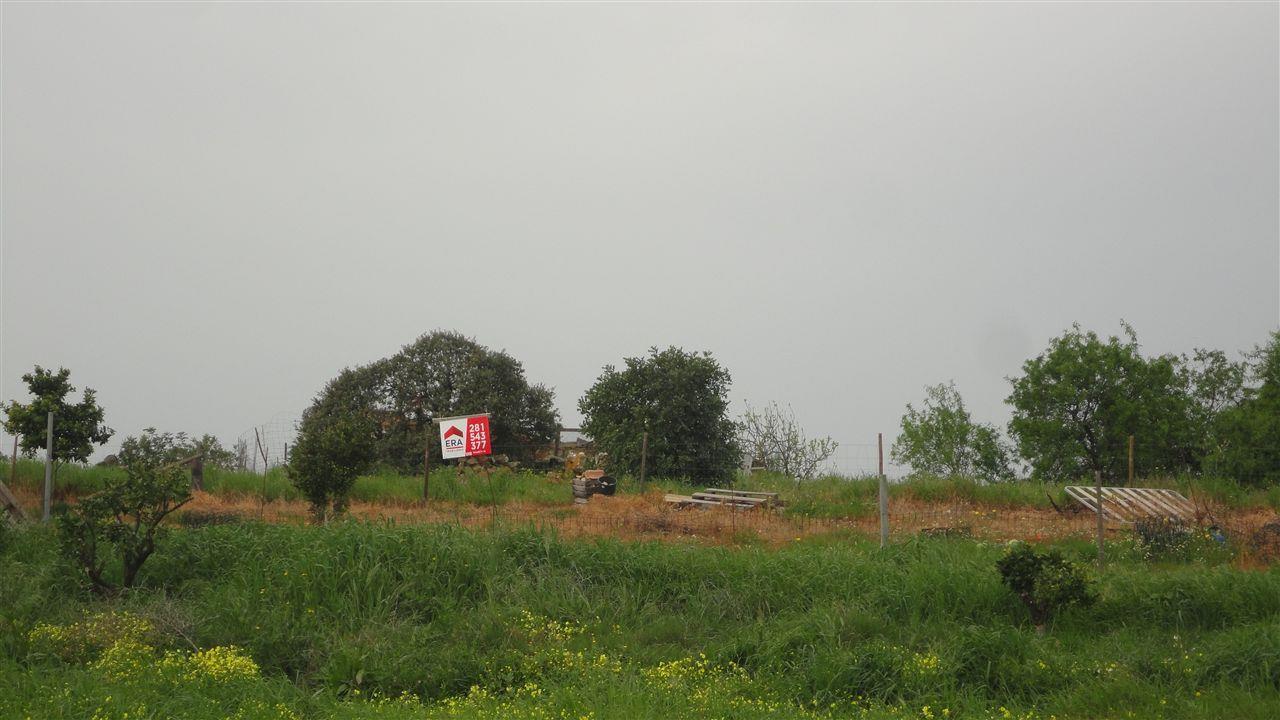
1128,505
719,497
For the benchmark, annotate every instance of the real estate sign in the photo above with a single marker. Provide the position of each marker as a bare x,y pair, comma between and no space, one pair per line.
465,436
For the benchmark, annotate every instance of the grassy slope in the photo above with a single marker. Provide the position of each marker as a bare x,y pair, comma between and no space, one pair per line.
483,624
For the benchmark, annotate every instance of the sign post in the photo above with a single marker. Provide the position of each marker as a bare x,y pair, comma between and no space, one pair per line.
468,436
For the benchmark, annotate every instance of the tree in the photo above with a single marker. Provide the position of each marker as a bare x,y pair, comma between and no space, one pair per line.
1076,404
1214,384
1246,435
681,399
179,446
125,516
772,436
942,439
334,446
443,374
76,427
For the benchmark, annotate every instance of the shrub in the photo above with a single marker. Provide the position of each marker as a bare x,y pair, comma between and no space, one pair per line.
331,452
1044,582
125,515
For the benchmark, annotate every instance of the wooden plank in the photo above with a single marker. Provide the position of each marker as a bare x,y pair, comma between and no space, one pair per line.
752,493
1142,501
1152,509
715,497
1127,505
11,503
1167,509
686,500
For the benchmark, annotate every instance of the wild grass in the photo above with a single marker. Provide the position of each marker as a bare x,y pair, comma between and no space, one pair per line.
825,497
520,623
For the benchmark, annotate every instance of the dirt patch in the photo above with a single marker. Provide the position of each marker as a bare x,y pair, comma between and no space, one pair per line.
647,517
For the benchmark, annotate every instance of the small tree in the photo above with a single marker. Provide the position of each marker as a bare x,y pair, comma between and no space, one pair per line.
331,452
681,399
772,436
124,518
941,439
77,427
1044,582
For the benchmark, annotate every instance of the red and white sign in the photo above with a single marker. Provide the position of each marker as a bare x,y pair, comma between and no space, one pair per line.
465,437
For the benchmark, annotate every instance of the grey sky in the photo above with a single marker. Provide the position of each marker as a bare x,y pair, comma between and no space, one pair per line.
208,210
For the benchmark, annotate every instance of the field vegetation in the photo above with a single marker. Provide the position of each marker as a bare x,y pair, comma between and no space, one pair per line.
364,620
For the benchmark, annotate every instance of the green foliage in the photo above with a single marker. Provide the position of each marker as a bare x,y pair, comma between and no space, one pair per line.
1045,582
1246,435
77,427
123,519
340,620
332,449
941,439
1076,404
175,447
681,399
443,374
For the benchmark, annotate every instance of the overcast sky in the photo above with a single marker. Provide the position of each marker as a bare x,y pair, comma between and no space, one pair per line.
211,209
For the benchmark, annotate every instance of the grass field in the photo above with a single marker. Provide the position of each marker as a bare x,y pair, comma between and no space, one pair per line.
358,620
828,497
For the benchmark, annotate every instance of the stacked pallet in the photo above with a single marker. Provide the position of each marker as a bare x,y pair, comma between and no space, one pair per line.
719,497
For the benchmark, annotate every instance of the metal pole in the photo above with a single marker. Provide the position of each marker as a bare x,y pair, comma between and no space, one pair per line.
644,456
1097,486
13,463
48,468
1130,460
884,493
426,466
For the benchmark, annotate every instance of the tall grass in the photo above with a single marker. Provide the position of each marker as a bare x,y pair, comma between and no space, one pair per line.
829,496
434,611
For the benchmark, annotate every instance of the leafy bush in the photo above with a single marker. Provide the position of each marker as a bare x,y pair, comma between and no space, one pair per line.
126,515
331,451
1044,582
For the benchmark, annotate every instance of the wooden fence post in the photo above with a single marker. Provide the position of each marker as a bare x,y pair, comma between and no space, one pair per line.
1097,485
884,493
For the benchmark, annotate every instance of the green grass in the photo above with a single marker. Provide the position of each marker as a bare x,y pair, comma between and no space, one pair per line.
520,623
825,497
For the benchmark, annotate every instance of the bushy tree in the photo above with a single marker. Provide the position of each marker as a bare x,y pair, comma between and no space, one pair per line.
771,435
681,399
77,427
179,446
334,446
443,374
1045,582
941,438
1076,404
123,520
1246,434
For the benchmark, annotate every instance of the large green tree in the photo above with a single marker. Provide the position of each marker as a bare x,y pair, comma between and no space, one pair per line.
1246,434
442,374
1076,404
77,426
681,399
940,438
